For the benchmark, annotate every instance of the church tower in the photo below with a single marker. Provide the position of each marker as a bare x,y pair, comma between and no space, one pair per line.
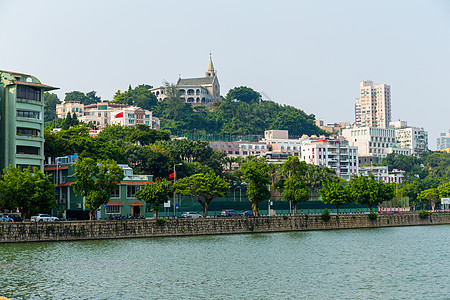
210,72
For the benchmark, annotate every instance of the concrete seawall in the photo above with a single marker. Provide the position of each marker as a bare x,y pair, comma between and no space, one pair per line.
93,230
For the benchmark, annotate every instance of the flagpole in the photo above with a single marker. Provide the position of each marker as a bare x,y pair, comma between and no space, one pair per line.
175,180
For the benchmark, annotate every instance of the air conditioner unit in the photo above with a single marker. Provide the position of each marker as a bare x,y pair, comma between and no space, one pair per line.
79,205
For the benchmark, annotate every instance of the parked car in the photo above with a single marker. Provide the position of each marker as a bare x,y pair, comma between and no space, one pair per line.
229,213
191,215
43,218
5,219
16,217
248,213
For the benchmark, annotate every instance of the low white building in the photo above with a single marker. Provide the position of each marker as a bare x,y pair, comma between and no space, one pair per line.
413,138
132,116
381,173
74,107
103,114
372,141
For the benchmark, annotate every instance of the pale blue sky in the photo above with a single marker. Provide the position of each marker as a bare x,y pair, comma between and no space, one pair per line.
309,54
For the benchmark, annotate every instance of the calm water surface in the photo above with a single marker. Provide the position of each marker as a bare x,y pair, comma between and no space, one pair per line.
389,263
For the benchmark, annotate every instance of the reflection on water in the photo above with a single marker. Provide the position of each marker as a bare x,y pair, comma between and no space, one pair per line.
388,263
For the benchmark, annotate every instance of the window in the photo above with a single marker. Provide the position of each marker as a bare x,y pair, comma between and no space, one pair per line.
116,192
27,131
28,114
131,190
27,150
113,209
28,92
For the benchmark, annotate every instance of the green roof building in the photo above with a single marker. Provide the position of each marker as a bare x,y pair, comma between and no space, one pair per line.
196,91
21,120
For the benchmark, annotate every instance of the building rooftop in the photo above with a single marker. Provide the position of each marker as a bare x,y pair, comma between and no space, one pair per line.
195,81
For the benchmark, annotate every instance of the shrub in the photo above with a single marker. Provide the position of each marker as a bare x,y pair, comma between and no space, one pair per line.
306,217
285,217
161,221
325,215
423,214
373,216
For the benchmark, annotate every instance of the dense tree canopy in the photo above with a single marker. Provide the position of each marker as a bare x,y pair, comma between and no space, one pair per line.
256,174
203,187
31,192
89,98
243,94
50,102
139,96
155,194
95,180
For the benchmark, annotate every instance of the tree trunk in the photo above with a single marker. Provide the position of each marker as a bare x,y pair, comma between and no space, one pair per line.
337,210
433,205
155,214
294,205
370,207
255,208
204,210
92,215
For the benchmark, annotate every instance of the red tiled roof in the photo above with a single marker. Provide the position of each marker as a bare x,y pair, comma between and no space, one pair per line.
54,168
135,182
14,73
114,203
35,84
136,203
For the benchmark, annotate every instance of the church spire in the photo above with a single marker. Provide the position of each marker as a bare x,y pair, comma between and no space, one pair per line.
210,72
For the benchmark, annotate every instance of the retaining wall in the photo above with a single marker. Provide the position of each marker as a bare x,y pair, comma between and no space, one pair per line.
90,230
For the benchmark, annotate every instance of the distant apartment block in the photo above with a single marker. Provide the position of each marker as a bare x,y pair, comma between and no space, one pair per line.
278,142
373,106
332,127
104,113
373,141
335,154
21,120
413,138
381,173
196,91
239,148
443,141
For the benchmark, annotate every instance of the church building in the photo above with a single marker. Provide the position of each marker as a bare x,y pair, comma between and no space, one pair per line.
197,91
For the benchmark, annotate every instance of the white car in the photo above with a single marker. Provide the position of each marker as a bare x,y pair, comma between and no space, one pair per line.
43,218
191,215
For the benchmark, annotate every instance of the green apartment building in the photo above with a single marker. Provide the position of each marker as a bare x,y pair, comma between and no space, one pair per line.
21,120
71,206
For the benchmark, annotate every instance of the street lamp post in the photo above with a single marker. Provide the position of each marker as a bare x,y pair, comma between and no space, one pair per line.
175,180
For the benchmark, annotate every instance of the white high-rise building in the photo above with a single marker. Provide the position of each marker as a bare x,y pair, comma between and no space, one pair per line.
373,107
443,141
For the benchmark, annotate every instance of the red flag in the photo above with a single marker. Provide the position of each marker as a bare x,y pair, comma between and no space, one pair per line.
119,115
171,175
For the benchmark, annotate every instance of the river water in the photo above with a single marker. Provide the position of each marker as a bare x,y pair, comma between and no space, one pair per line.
385,263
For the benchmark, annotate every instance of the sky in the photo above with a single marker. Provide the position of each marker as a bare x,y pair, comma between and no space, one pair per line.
308,54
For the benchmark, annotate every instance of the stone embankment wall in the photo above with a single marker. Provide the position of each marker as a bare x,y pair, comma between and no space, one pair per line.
90,230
